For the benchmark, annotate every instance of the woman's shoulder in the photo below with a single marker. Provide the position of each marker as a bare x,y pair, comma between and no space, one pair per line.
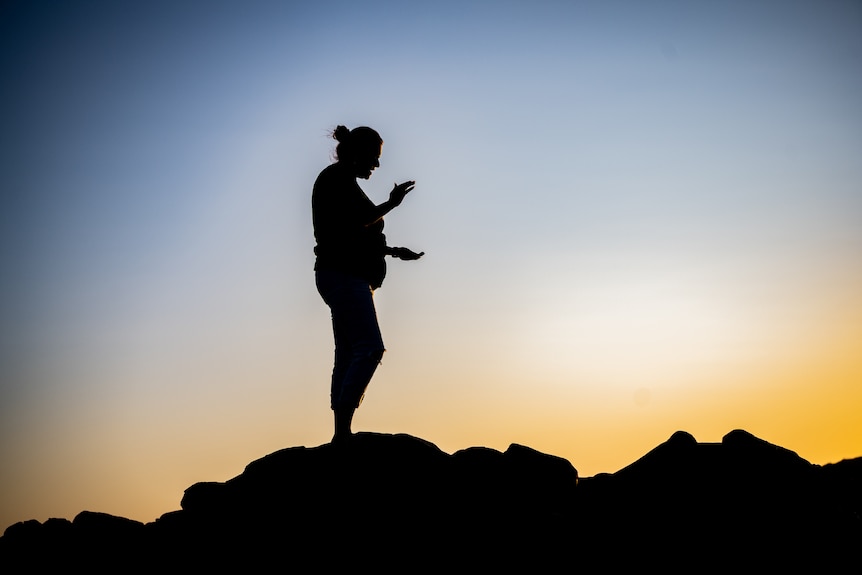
335,181
333,173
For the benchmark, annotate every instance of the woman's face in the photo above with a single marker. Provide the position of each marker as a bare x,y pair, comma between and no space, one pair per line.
366,161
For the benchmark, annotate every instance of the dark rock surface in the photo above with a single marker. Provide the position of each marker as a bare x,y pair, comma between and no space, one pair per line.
398,503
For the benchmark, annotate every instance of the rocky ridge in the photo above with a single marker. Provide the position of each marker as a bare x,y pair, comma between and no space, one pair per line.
399,503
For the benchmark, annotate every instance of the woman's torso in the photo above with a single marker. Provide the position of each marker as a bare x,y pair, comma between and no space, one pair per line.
348,239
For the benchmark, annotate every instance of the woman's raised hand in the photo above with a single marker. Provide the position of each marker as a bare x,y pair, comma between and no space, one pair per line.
399,191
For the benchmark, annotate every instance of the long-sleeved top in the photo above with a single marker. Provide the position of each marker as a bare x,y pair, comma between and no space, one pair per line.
349,239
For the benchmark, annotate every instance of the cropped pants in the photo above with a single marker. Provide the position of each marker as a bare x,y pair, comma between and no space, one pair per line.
358,342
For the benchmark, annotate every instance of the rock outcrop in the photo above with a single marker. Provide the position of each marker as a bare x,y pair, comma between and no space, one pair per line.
398,503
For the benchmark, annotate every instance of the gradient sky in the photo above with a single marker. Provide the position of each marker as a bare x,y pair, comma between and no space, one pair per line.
638,217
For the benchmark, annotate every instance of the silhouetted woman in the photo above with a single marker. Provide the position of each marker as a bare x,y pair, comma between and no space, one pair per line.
351,248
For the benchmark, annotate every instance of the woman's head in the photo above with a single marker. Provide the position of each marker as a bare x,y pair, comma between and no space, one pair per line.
359,147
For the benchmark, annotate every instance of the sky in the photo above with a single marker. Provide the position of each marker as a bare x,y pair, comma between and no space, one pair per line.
638,218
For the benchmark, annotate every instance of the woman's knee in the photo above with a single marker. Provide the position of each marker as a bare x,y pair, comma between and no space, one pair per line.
374,354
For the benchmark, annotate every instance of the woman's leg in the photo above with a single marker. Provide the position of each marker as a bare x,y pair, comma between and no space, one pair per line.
343,356
358,342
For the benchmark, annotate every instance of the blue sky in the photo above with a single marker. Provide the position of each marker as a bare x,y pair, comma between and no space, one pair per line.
638,217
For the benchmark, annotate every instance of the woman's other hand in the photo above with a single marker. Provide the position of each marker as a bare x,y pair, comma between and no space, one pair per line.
405,254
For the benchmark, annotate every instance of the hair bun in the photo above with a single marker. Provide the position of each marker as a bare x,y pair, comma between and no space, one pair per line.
341,133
